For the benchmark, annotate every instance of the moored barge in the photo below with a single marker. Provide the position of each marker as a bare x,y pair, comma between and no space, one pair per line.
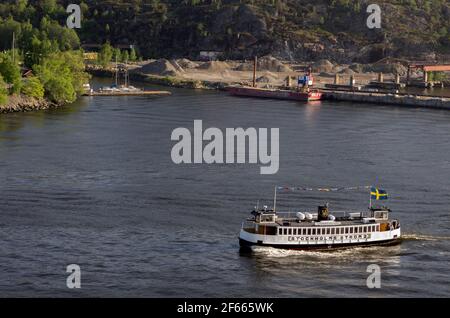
311,95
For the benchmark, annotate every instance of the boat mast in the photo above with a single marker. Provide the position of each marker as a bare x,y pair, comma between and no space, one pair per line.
275,199
127,79
13,48
117,73
255,63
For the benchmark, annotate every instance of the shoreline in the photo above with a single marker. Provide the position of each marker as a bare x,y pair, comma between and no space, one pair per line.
21,103
169,81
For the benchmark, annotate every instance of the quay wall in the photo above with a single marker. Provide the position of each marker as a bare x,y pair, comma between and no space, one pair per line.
390,99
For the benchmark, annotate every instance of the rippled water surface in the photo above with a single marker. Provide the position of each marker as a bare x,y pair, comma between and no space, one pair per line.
94,184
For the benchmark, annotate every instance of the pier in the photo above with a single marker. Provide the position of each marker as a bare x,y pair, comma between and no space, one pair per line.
398,99
129,93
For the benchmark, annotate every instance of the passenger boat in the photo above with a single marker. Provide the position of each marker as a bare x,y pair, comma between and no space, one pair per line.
322,230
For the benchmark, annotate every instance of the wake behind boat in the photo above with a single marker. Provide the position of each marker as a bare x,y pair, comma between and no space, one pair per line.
321,230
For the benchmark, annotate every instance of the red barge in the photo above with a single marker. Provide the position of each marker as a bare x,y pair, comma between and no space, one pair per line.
302,92
312,95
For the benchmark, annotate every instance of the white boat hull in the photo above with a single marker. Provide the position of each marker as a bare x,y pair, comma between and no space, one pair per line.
247,239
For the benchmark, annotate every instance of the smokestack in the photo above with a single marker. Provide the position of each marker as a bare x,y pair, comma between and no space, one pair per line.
255,63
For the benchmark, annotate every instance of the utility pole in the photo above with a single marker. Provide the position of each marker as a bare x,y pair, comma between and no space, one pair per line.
13,47
255,63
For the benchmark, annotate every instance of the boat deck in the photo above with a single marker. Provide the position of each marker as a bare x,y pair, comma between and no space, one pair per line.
315,223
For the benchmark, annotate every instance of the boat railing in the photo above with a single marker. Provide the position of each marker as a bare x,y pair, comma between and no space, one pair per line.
247,224
351,214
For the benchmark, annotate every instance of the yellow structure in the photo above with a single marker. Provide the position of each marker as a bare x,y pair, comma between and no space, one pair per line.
92,56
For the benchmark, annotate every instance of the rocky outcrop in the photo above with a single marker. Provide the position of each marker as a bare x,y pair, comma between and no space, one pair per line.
22,103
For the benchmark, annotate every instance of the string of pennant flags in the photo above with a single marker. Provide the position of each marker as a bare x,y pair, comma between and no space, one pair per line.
293,189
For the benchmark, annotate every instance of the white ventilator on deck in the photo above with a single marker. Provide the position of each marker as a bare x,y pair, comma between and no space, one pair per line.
301,216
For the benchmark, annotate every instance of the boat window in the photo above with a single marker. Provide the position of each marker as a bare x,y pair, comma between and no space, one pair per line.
294,231
332,230
365,229
309,231
328,231
351,230
280,231
337,230
346,230
313,231
290,231
285,231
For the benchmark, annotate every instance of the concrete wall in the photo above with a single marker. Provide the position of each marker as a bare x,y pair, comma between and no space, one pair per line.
391,99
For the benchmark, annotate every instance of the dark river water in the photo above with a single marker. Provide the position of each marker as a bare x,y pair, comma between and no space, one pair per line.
93,184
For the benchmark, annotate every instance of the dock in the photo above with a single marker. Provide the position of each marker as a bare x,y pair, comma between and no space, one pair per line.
130,93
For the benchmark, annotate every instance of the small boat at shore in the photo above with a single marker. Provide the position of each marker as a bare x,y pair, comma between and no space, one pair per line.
121,90
124,91
321,230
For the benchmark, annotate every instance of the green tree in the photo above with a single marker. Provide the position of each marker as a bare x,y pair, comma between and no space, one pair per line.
125,56
133,55
105,55
33,87
3,92
7,28
10,72
62,75
117,55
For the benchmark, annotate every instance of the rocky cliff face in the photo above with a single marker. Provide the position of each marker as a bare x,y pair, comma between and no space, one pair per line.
289,29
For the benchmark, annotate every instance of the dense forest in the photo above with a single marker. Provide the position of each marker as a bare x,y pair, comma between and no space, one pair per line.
297,29
288,29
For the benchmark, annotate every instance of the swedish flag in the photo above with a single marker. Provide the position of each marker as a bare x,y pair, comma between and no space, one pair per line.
378,194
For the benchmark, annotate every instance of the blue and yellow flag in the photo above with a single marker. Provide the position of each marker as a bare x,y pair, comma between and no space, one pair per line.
378,194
